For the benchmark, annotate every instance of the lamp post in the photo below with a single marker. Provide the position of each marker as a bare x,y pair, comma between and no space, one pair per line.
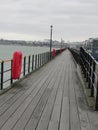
61,42
51,27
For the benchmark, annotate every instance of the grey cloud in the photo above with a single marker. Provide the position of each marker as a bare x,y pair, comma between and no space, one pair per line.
34,17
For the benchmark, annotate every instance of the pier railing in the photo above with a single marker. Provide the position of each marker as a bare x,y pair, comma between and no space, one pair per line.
76,54
29,64
89,68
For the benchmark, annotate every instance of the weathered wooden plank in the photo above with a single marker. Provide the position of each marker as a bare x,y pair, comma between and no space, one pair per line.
88,118
24,84
14,98
55,118
34,119
28,106
39,106
10,102
82,108
64,122
74,114
44,121
14,107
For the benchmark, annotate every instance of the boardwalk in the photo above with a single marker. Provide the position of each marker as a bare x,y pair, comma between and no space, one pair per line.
49,99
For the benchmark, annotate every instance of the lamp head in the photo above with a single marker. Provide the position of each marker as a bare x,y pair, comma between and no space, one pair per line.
51,26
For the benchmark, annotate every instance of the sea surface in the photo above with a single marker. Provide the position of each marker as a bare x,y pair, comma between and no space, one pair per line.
6,51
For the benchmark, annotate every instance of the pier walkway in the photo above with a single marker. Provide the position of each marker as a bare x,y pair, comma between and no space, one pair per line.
49,99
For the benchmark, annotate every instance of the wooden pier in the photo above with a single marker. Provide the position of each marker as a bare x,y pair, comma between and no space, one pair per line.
51,98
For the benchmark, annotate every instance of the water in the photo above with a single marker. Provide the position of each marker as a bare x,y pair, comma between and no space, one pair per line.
6,51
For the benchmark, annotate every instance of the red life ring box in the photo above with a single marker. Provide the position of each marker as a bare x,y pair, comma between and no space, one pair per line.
53,53
61,49
16,64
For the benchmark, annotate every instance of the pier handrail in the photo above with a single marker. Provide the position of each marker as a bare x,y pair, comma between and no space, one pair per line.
89,68
29,64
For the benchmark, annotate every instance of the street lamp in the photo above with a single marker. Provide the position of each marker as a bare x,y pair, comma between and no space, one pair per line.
61,42
51,27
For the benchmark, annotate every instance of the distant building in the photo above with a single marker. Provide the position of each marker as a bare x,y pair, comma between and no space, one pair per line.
92,46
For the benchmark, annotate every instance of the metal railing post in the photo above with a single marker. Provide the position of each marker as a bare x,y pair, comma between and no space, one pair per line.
90,71
29,64
24,66
93,79
87,67
32,62
35,61
46,58
11,72
42,59
2,70
96,103
49,56
38,60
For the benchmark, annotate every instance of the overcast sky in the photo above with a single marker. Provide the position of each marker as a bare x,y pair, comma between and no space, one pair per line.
72,20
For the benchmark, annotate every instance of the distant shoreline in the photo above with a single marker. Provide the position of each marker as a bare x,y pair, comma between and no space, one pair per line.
46,43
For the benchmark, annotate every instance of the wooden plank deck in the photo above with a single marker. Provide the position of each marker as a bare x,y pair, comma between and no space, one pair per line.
50,99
